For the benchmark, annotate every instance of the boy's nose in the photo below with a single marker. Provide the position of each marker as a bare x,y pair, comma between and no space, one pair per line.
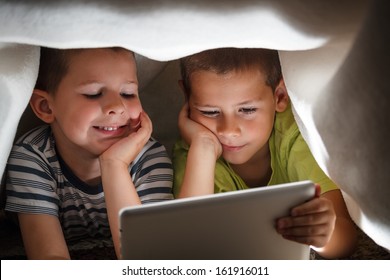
114,105
228,127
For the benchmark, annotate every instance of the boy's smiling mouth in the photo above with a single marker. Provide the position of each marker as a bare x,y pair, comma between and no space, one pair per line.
112,130
109,128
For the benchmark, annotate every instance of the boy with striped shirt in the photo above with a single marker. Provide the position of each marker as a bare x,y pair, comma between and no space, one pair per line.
68,180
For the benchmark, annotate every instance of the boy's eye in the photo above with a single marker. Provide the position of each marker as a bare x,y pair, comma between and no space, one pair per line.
212,113
248,111
93,95
128,95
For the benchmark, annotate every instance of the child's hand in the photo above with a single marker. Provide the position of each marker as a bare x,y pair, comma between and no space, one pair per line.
310,223
126,149
192,132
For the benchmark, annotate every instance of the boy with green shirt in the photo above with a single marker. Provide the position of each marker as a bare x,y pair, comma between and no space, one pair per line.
238,132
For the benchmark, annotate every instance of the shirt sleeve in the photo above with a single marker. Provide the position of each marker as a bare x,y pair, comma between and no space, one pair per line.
180,153
30,185
152,173
302,166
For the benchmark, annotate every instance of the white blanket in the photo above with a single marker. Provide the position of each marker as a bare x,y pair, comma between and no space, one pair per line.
334,56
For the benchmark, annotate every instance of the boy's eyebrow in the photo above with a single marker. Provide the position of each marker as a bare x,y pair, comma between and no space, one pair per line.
131,82
87,83
204,105
96,83
246,102
249,101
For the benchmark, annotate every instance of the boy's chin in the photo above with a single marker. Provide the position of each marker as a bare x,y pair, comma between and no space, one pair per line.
104,146
234,160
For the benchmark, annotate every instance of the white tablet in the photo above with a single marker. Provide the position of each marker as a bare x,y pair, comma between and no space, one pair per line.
233,225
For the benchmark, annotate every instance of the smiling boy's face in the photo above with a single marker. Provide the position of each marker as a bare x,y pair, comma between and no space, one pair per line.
96,101
238,107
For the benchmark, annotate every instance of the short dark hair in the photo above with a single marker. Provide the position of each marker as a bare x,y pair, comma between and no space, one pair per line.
53,66
224,60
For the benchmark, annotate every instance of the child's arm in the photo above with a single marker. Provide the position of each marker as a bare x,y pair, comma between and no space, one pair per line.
202,155
322,222
344,238
119,189
42,237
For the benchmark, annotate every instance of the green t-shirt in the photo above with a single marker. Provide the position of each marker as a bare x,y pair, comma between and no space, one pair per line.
291,160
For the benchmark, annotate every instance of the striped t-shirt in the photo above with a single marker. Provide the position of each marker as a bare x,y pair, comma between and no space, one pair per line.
39,182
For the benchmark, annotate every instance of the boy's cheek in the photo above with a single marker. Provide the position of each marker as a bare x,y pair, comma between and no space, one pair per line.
134,110
194,115
207,122
198,117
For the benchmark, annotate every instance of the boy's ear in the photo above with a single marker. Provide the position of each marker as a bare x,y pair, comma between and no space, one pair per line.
281,97
40,104
181,85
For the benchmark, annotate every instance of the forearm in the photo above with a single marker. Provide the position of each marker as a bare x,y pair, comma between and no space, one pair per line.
39,242
119,192
199,174
343,241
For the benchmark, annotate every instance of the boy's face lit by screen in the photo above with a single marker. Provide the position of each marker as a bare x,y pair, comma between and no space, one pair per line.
97,100
238,107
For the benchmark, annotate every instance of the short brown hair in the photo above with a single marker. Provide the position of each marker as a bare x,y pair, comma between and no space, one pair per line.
53,66
224,60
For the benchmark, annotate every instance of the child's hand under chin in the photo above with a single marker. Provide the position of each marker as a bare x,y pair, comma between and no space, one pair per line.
192,131
310,223
126,149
